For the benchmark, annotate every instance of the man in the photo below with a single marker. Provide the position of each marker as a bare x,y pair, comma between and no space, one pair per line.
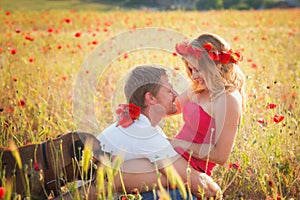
149,88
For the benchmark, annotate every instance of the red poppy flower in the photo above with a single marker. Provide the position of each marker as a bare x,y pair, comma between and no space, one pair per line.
78,34
7,13
124,120
127,114
249,59
13,51
208,46
195,52
254,66
236,38
134,111
67,20
225,57
181,48
262,121
31,60
277,118
271,106
2,192
236,57
29,38
278,197
21,103
214,55
79,46
236,166
36,166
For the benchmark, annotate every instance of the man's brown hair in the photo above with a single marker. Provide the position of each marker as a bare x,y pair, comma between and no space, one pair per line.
143,79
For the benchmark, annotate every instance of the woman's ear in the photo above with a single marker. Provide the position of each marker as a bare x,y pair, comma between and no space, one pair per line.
149,99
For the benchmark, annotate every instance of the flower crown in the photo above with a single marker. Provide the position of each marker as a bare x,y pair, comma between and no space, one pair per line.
127,114
224,57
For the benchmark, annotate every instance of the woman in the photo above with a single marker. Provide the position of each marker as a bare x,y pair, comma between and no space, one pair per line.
212,110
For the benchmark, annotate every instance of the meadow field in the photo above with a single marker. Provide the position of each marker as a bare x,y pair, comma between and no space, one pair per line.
42,49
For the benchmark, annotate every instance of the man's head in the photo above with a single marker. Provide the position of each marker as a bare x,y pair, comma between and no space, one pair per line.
149,85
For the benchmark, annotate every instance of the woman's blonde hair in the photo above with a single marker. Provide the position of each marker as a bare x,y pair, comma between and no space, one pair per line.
218,77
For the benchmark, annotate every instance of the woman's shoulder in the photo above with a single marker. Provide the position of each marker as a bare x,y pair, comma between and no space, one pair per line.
234,100
234,97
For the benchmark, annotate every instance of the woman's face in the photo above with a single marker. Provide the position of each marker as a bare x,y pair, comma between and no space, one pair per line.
196,75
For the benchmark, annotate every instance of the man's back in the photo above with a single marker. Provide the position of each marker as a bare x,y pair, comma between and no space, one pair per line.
140,140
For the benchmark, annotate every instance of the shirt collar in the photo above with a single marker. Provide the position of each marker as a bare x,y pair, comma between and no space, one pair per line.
143,120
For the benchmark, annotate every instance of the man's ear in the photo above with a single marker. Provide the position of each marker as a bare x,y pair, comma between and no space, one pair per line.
149,99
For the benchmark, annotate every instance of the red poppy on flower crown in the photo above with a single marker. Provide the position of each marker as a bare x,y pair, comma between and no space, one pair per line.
127,114
224,57
187,49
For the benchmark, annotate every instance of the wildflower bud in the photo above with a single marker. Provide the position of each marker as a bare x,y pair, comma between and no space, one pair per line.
188,170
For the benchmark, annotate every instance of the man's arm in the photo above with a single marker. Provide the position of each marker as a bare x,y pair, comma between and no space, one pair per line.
140,174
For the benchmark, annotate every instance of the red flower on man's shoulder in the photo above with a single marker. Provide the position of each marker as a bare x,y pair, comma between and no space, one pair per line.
134,111
127,114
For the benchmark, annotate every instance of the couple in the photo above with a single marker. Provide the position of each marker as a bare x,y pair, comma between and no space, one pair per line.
211,111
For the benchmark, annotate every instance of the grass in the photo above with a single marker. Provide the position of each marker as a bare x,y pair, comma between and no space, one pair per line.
37,81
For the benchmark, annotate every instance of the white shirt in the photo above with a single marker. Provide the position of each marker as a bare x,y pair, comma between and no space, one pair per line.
139,140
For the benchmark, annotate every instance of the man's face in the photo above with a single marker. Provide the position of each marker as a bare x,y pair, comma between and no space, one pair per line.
166,96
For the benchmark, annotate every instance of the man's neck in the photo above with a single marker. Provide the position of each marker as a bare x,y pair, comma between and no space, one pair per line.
154,117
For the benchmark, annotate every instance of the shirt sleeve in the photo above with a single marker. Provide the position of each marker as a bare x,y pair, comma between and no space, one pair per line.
161,149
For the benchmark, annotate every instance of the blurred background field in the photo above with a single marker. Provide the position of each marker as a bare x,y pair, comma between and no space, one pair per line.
44,43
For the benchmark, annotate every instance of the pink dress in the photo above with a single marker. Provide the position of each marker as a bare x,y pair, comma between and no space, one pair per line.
197,128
